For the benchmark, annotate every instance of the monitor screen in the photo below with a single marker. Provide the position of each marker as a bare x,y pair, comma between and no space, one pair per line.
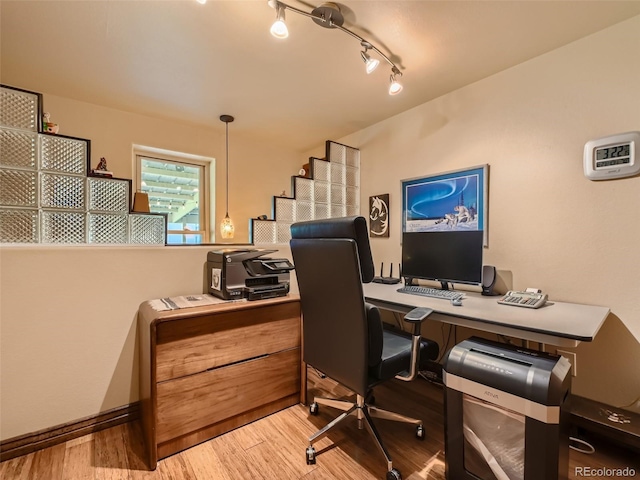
444,256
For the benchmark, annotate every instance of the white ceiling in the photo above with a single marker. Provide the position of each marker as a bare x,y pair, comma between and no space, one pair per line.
192,62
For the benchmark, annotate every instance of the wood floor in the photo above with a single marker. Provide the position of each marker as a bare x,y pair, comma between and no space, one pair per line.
273,447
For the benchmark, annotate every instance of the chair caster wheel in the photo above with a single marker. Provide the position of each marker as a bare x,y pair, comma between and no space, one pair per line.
394,474
420,432
313,408
311,455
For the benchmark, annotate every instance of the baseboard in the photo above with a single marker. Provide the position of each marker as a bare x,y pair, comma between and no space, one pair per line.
31,442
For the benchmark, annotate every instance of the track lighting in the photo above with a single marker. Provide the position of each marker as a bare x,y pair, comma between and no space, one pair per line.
328,15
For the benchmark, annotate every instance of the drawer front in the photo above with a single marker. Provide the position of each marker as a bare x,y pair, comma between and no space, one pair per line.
193,345
191,403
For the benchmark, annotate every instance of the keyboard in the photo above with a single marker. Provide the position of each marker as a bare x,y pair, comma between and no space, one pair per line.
431,292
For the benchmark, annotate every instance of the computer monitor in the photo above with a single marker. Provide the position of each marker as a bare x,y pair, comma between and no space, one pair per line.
448,257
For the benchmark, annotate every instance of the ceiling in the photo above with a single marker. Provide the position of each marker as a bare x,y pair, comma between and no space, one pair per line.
191,62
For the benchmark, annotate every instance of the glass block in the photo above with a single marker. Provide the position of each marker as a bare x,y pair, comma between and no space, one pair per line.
62,191
64,155
337,153
285,210
321,170
108,228
337,194
63,227
352,176
18,188
304,211
338,211
304,189
18,109
321,192
352,210
353,196
18,225
18,149
108,195
147,229
264,231
337,173
283,232
353,157
321,211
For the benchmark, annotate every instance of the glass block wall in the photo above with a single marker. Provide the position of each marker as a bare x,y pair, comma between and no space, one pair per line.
45,193
333,190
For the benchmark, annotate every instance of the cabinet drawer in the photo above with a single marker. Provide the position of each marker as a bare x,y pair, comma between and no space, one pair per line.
197,344
194,402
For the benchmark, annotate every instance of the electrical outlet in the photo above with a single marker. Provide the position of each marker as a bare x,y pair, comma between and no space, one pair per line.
571,356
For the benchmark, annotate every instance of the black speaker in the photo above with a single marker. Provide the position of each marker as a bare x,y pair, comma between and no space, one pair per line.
488,279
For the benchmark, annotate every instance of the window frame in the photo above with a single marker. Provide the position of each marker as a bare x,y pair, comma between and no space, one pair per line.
206,165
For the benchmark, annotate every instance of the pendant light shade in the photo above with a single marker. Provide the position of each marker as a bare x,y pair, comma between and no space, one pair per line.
226,226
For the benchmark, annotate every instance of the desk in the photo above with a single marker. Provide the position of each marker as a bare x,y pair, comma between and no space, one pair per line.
207,370
556,323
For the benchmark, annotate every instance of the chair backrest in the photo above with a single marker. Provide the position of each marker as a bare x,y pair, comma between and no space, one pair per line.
332,259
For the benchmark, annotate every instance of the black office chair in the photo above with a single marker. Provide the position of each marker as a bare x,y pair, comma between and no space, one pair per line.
344,336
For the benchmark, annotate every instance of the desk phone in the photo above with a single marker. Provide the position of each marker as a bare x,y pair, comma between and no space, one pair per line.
524,299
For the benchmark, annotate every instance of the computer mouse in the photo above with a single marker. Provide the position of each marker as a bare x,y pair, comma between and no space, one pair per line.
456,302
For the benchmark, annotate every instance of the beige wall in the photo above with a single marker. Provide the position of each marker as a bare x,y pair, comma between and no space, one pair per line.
68,326
68,314
549,226
257,170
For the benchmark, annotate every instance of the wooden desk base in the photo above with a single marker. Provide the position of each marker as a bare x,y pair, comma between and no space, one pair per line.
207,370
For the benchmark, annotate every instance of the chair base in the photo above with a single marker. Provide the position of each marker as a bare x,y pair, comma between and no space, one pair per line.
364,414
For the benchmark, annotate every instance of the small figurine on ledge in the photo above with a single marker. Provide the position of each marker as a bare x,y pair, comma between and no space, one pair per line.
47,125
101,169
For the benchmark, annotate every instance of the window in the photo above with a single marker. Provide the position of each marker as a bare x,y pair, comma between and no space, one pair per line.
178,186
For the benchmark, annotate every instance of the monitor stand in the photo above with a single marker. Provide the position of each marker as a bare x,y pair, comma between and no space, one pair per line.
444,285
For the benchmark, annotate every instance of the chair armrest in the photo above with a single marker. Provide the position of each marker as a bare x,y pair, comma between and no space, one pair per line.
415,316
418,314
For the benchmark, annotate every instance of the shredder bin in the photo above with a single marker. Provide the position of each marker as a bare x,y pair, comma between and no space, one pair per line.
506,412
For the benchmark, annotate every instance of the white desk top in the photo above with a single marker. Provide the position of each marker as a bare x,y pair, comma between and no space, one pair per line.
556,323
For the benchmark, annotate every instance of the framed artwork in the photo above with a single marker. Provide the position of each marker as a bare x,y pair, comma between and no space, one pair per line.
453,201
379,215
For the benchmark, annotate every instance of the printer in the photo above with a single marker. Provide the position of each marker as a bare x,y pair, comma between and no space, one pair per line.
234,274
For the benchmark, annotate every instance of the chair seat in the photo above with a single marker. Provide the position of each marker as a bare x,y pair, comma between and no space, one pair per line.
396,355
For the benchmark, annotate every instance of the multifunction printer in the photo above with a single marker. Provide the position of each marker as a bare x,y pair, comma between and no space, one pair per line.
245,273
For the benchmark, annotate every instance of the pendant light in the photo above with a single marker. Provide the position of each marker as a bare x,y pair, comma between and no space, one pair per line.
226,226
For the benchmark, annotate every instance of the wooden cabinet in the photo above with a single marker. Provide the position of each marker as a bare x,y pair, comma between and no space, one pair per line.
207,370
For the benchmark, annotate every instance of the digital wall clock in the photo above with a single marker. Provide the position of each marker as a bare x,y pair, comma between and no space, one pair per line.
614,156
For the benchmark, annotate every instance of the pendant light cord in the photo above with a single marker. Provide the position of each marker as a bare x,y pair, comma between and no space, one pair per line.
227,189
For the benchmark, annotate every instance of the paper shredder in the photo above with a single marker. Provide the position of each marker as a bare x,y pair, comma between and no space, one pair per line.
506,412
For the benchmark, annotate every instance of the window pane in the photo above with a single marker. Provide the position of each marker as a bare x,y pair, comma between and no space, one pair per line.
175,188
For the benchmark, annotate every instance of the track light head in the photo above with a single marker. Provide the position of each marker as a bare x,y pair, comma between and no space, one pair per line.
395,86
370,63
279,28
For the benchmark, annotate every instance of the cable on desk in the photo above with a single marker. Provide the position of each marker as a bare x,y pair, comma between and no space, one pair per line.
589,449
445,347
